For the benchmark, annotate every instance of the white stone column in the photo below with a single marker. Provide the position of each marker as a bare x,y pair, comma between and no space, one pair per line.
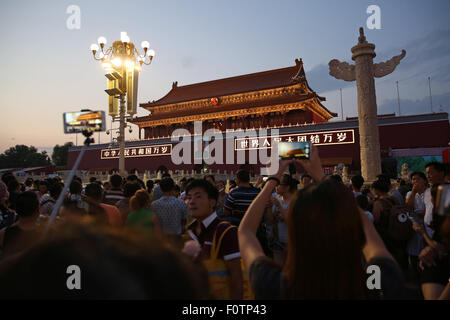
369,140
363,72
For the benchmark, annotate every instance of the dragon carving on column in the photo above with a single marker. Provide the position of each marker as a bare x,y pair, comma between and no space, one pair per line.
346,71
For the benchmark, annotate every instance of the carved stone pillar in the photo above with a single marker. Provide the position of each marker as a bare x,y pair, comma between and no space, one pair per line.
364,71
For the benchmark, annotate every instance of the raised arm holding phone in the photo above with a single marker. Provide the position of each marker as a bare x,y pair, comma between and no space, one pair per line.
327,238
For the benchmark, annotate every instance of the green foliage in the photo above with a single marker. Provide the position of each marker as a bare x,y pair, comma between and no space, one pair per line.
22,156
60,153
415,163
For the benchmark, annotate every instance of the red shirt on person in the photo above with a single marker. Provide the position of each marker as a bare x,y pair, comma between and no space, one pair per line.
229,248
114,215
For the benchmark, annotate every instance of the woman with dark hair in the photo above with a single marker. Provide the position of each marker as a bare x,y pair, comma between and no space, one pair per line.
328,237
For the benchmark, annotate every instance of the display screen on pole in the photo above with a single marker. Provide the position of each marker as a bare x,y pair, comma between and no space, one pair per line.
77,122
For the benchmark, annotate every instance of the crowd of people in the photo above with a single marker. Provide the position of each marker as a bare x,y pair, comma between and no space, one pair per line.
285,236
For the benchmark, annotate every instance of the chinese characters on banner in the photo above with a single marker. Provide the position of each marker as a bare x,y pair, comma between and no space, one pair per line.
316,138
146,151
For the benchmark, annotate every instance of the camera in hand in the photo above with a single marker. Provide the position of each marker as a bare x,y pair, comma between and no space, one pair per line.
84,121
294,150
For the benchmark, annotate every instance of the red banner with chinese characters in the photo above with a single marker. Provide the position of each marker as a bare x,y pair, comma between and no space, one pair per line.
316,138
133,152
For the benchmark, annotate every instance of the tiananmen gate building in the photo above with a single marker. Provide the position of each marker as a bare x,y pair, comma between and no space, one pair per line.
260,103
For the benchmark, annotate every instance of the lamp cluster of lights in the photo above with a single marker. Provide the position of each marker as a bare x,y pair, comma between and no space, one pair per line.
122,53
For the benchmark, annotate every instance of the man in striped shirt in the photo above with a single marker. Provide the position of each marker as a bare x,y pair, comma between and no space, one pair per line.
171,211
238,201
115,193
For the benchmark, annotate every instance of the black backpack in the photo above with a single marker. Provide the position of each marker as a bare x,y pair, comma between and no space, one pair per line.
398,225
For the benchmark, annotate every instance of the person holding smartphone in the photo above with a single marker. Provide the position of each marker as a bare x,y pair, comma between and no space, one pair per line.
328,237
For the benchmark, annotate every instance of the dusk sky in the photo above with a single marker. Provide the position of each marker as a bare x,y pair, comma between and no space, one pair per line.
48,69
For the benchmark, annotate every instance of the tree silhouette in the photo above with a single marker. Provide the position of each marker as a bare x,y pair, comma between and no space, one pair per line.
60,153
22,156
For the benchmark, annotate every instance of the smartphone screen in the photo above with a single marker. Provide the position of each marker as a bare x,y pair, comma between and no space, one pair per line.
77,122
294,150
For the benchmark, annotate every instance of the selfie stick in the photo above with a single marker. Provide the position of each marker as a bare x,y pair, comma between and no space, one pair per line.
86,144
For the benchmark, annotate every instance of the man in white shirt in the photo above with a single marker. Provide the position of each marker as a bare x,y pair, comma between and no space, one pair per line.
415,202
435,174
415,197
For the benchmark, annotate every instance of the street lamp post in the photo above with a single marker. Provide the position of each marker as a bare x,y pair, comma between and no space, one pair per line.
122,63
120,141
122,123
